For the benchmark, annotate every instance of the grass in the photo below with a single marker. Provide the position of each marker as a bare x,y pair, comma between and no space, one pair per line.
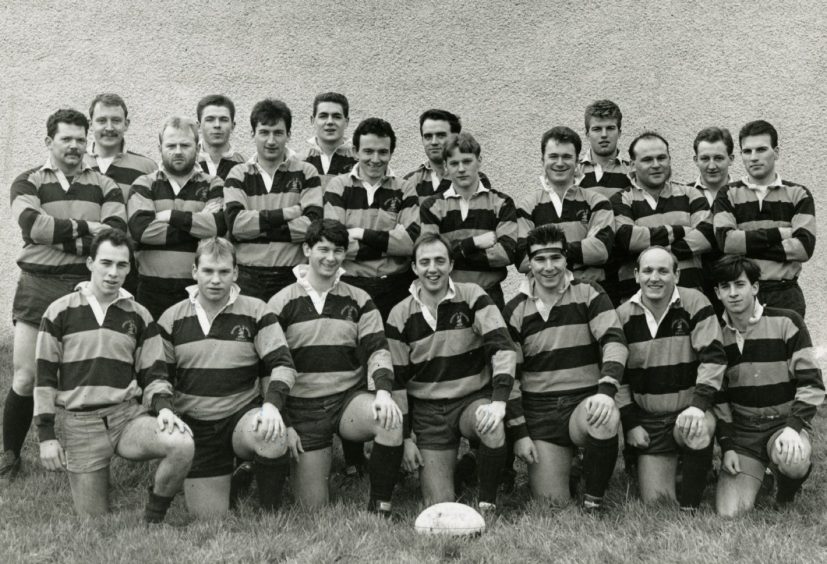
39,525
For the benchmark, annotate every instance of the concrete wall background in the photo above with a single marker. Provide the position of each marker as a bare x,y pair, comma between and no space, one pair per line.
510,69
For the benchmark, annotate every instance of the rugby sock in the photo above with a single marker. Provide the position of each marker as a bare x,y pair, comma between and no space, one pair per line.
17,418
788,487
383,468
156,507
271,473
599,460
490,463
696,465
354,453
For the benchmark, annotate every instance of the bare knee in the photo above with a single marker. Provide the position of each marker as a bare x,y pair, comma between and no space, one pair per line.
271,449
794,471
495,438
388,437
605,431
23,381
177,445
698,443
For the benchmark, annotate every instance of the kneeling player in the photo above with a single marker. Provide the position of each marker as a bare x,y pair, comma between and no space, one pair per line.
330,326
215,342
771,392
573,352
676,365
94,347
452,351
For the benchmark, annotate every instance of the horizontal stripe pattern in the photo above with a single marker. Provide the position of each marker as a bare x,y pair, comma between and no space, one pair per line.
256,218
419,180
613,178
124,169
342,161
225,164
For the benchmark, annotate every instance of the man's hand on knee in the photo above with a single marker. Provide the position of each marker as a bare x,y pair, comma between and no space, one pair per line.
489,416
692,423
599,409
269,422
790,446
385,411
52,455
168,421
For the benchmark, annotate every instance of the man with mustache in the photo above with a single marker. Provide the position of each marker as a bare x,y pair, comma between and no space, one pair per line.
216,122
170,210
59,207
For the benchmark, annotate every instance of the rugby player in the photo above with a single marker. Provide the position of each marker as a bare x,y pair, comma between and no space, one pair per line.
452,352
328,150
571,353
215,342
601,166
169,211
96,348
334,331
59,207
771,392
676,365
216,122
767,219
480,223
269,202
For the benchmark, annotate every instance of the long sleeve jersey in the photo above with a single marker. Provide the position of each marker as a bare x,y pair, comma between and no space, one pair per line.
225,164
606,181
426,183
341,161
124,169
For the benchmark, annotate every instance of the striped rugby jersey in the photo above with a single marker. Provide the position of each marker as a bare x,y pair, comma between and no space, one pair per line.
771,372
586,218
575,346
327,347
166,251
390,222
225,164
682,365
83,364
605,181
421,181
745,226
679,221
124,169
488,211
255,215
342,160
218,368
53,221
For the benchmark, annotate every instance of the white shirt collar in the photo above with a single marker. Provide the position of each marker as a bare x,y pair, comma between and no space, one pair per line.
61,177
97,309
651,322
212,166
757,312
176,188
203,319
556,200
300,272
416,288
528,285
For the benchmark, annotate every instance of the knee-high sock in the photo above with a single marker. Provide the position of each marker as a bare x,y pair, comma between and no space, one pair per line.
156,507
354,453
599,459
696,465
490,463
384,470
17,418
271,473
788,487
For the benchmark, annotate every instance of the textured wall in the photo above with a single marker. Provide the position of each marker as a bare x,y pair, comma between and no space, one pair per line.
510,69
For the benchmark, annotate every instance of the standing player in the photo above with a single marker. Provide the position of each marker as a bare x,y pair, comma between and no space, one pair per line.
331,327
480,223
96,349
216,119
452,352
676,365
771,393
269,202
381,219
436,128
571,354
767,219
584,216
328,150
59,207
169,211
216,342
657,211
601,166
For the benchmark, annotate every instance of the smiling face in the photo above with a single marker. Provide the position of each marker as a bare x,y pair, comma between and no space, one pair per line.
179,150
603,134
435,134
108,270
433,267
330,123
652,163
560,163
759,158
325,258
548,266
374,154
68,146
215,275
713,161
271,141
656,275
216,126
109,124
738,296
463,169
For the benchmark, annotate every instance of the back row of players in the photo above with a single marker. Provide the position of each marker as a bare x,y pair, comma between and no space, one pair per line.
454,354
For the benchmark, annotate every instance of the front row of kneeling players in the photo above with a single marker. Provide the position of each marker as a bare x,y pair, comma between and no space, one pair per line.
446,370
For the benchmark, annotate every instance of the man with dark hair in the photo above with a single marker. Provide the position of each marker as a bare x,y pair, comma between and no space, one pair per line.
331,327
675,367
770,220
328,150
601,167
216,119
584,216
569,368
381,219
436,128
657,211
59,207
269,202
480,223
98,352
216,343
169,211
771,392
452,352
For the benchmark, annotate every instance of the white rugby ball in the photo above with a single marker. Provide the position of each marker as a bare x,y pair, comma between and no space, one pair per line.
449,518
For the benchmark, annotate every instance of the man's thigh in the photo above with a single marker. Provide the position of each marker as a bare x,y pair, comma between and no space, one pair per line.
548,417
214,452
656,476
357,423
23,358
141,439
736,494
316,420
309,480
436,476
549,476
90,491
438,423
468,419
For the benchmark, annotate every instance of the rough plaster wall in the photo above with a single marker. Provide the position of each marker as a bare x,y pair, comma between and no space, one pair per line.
510,69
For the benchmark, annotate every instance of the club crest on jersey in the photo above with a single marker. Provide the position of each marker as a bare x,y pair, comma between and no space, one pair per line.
680,327
393,205
242,333
583,216
349,313
294,185
129,327
459,320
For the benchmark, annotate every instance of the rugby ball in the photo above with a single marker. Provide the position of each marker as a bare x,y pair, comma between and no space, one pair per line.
451,519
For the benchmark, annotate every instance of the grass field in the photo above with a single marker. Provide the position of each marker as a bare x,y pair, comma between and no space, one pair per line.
38,525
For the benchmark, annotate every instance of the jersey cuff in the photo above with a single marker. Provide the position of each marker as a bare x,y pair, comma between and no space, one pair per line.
276,394
383,379
796,423
159,402
46,427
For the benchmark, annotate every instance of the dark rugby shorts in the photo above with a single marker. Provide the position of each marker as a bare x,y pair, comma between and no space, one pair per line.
36,292
547,415
316,420
436,422
214,454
